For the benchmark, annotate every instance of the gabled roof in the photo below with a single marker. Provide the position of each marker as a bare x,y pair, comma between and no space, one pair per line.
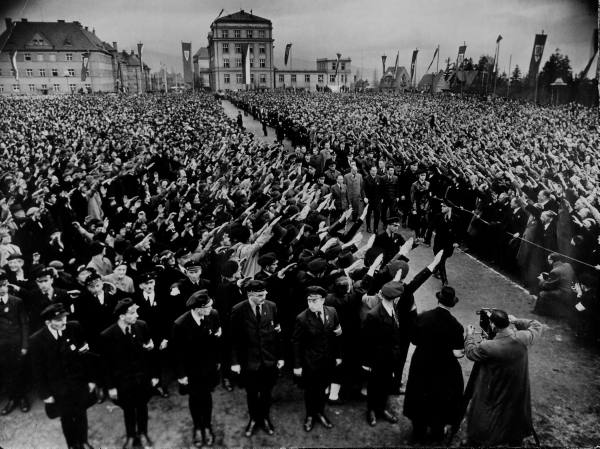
202,53
242,17
57,36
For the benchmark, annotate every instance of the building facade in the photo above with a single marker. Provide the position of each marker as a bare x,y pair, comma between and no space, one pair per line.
325,76
395,79
226,40
201,61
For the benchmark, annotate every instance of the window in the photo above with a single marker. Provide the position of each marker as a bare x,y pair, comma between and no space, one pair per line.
342,66
29,72
31,87
72,87
226,63
237,34
294,78
238,62
249,34
307,78
27,56
251,47
281,78
225,34
42,72
69,57
0,71
261,49
252,78
238,48
56,87
44,86
320,78
82,56
251,62
1,88
239,78
54,72
39,57
16,88
333,66
226,78
262,63
225,47
263,78
332,78
261,34
88,87
71,72
52,57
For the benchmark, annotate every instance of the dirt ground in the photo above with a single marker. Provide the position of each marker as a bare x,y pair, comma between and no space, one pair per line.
565,384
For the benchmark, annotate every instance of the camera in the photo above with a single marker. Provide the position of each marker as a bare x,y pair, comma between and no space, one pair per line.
485,323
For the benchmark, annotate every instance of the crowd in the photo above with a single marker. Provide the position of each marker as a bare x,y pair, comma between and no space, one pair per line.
240,257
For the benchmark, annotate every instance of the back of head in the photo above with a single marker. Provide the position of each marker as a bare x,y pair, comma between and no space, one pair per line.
499,318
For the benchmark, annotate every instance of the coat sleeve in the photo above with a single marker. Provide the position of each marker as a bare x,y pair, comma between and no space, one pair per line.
298,342
475,352
528,330
368,341
177,345
236,337
23,324
39,362
417,281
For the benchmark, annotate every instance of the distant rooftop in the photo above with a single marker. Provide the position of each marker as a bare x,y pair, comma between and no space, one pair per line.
242,17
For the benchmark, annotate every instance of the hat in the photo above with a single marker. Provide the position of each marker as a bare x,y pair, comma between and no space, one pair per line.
315,290
123,306
305,256
42,272
345,259
317,265
92,278
198,299
15,256
392,220
396,265
3,275
147,277
267,259
54,311
333,251
256,286
57,264
192,265
447,296
166,254
392,290
229,268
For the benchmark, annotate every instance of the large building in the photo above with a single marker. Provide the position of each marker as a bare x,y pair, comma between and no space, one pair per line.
63,58
228,36
395,79
201,62
326,75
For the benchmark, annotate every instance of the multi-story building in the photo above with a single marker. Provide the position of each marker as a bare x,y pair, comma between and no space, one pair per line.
201,62
327,75
395,79
227,38
129,76
50,58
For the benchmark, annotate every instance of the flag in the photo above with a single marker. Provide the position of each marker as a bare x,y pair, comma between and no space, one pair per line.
433,59
246,63
337,64
412,65
536,57
13,62
461,55
383,58
288,48
499,39
119,75
186,54
594,53
85,62
396,64
140,47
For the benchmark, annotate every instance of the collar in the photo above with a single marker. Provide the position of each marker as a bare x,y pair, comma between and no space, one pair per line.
508,332
4,299
197,318
53,332
123,326
389,308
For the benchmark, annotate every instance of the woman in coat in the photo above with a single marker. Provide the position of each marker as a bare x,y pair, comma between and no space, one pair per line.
435,383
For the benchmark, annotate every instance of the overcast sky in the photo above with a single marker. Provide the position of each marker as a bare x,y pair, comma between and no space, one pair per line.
359,29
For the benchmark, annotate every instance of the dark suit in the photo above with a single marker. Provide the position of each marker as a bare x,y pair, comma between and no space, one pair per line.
257,348
36,301
340,199
374,192
446,234
128,371
14,335
61,371
389,244
389,187
316,347
197,354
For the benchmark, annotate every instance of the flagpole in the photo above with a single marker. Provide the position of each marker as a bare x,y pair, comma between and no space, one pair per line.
496,69
437,64
509,67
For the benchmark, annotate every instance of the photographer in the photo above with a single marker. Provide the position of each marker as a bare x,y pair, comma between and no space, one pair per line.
500,410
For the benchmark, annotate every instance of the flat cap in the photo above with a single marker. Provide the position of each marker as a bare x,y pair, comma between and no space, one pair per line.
198,299
392,290
267,259
256,286
123,306
317,265
54,311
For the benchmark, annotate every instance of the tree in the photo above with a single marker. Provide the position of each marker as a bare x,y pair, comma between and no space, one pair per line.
516,74
485,63
468,64
558,66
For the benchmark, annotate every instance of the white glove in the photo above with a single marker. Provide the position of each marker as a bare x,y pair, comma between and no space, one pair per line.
183,380
280,364
112,393
236,369
298,372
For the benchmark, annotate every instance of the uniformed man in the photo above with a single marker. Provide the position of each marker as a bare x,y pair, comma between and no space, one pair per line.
256,353
58,353
317,351
196,346
126,344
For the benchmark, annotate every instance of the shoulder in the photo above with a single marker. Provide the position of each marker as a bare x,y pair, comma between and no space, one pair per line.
270,305
239,307
182,319
109,331
38,336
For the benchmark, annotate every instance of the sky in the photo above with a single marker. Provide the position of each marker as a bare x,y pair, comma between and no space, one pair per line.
360,29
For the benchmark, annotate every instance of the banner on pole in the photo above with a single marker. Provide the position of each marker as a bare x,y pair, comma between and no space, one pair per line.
186,54
536,57
288,48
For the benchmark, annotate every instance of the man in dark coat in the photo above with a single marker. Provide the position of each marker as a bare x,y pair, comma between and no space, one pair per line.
42,296
58,354
317,351
256,352
374,193
446,237
183,289
14,335
435,383
500,410
390,240
389,188
196,347
126,344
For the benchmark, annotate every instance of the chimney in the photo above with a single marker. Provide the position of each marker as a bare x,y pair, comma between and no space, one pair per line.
24,20
61,20
115,46
9,23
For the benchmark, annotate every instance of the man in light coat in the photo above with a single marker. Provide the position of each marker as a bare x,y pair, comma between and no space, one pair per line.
356,190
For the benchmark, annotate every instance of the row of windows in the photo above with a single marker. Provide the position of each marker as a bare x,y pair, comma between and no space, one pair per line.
238,48
239,78
322,66
39,57
43,72
262,63
34,88
237,34
343,78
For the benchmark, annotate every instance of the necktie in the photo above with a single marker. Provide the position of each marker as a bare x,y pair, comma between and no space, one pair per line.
258,313
128,331
320,316
58,335
396,323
